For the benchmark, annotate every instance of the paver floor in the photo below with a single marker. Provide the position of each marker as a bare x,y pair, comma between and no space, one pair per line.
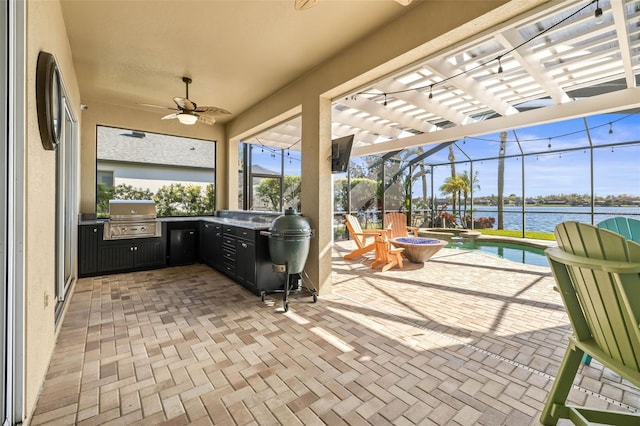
463,339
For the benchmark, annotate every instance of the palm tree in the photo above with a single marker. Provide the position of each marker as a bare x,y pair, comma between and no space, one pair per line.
455,186
471,184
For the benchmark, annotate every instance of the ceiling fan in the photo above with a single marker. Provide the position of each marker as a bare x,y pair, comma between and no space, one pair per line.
306,4
189,112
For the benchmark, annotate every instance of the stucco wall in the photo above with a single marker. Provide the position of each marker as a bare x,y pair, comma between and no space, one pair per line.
45,31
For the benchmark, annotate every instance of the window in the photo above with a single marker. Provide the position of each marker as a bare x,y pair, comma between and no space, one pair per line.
105,178
177,173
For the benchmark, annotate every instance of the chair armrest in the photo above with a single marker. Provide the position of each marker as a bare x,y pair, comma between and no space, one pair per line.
614,266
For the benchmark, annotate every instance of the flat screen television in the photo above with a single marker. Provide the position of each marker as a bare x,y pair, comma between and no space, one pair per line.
340,154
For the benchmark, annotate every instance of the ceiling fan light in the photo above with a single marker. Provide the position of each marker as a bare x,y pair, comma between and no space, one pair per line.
188,119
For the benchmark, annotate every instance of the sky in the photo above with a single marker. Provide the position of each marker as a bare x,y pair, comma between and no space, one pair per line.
616,170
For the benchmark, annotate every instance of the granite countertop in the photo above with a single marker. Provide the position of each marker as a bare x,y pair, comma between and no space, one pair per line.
256,224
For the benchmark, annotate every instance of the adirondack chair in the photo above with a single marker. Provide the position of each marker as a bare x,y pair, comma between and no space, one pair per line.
628,228
360,237
396,222
386,256
598,275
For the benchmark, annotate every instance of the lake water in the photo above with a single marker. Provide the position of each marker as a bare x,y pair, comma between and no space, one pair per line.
545,218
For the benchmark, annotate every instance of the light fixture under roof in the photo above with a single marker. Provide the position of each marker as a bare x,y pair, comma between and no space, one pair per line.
186,118
598,13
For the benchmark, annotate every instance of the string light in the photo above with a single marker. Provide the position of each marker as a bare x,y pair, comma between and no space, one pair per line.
598,13
497,58
591,128
549,146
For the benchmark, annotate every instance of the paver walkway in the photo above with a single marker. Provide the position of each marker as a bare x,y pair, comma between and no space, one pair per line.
465,338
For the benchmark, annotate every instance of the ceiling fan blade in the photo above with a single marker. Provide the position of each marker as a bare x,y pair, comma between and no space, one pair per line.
205,119
211,110
159,106
170,116
185,104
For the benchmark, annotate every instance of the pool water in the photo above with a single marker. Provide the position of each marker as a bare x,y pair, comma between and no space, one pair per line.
514,252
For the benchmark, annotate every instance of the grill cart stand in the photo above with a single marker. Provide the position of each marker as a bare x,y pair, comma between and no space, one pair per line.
289,237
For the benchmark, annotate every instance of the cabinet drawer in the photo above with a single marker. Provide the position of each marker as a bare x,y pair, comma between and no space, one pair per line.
245,234
229,268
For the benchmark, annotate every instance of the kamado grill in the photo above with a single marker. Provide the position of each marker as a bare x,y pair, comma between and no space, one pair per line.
289,239
132,219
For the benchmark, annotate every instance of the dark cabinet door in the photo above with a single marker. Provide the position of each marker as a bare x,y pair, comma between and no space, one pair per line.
206,247
211,244
149,252
115,257
131,255
87,250
217,258
246,263
182,246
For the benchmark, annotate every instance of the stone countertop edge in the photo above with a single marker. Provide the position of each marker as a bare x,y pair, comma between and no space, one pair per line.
212,219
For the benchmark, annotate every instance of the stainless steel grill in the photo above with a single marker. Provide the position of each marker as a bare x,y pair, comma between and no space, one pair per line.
132,219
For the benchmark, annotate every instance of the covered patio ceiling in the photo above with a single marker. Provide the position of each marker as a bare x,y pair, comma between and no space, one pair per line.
557,62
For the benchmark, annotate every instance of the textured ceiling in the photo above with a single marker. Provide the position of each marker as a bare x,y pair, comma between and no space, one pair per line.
128,53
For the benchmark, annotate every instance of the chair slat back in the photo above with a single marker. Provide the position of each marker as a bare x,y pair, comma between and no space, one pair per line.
627,227
397,222
598,274
353,225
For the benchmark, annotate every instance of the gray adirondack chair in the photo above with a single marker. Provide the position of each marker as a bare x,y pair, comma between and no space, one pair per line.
598,275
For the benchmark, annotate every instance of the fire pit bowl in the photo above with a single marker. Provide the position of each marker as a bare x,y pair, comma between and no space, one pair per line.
418,249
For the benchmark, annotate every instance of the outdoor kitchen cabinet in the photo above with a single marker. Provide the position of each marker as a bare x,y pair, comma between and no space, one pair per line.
182,242
211,244
130,255
246,259
88,249
229,251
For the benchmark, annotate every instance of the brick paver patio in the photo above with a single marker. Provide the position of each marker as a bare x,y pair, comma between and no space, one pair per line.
465,338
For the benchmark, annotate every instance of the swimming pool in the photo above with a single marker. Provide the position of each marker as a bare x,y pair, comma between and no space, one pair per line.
510,251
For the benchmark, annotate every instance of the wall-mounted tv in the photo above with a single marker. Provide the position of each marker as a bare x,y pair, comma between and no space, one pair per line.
340,154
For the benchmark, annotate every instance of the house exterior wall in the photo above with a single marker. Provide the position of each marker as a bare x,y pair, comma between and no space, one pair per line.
99,114
45,31
153,177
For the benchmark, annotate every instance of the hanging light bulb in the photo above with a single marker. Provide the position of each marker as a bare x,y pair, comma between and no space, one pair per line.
610,128
431,92
549,146
598,14
385,100
499,65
